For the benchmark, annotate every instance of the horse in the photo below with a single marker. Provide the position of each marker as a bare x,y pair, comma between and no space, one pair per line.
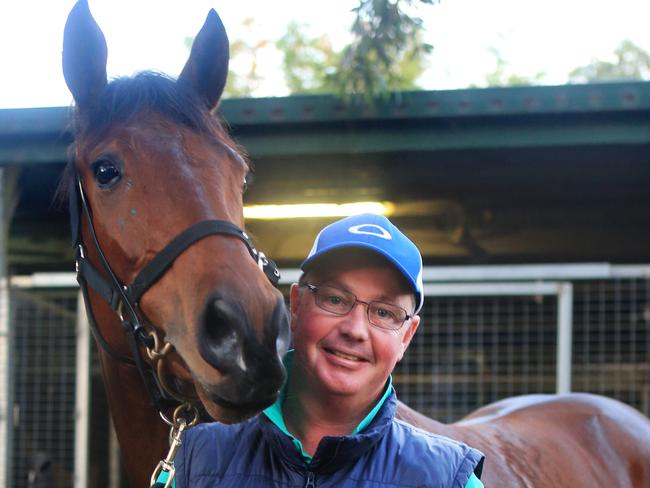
223,321
553,441
183,306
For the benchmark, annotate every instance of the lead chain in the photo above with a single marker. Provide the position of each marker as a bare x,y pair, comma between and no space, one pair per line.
157,355
167,465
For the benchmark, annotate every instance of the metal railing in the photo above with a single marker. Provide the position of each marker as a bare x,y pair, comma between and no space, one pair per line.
486,333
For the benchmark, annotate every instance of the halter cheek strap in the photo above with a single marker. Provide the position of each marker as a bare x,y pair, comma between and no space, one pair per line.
124,299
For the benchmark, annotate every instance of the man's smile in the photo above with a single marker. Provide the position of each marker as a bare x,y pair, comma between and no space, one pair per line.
346,355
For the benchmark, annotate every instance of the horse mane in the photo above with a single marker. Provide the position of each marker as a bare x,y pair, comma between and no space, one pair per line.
125,97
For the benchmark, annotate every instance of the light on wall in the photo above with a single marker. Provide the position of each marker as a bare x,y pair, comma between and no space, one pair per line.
312,210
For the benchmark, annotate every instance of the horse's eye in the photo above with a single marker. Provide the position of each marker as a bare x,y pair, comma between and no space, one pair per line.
106,173
248,179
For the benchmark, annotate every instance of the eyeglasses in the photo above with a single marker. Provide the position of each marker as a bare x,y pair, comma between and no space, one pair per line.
341,302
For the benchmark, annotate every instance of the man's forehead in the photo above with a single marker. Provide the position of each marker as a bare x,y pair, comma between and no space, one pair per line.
344,274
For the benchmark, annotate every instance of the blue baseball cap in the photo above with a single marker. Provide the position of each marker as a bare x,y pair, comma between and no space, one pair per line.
378,234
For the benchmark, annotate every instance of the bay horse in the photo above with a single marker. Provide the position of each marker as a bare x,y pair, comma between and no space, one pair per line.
182,305
553,441
150,162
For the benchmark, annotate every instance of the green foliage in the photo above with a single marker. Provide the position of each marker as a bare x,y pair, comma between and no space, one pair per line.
243,78
386,53
308,63
631,63
502,76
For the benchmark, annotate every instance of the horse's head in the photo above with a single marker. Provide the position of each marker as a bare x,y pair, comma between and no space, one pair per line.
151,162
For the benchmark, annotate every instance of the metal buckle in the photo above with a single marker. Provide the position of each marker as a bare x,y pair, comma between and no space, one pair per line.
178,425
262,262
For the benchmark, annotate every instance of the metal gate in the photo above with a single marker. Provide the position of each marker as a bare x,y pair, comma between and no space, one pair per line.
486,333
481,342
44,346
611,339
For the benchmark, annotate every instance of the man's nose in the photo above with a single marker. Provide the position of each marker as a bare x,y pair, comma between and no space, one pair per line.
355,323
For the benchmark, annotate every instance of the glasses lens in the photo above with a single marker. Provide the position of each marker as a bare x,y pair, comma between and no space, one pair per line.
386,315
334,300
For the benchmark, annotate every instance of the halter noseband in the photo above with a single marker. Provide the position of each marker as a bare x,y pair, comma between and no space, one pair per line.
124,299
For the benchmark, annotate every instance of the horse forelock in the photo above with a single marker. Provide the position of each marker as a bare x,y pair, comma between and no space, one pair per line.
123,99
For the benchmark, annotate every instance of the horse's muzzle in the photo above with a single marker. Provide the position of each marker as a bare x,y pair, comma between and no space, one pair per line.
250,360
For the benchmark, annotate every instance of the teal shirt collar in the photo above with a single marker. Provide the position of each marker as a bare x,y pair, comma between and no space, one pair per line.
274,412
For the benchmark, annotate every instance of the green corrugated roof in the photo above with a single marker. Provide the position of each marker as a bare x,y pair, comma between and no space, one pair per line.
603,97
596,113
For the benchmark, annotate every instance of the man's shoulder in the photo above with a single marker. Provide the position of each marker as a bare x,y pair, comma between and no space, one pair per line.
425,441
416,434
423,450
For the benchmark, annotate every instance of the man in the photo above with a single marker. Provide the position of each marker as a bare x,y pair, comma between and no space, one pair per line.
353,314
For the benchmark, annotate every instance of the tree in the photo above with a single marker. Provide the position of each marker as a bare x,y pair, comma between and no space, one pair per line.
502,76
630,63
387,53
308,63
385,41
243,78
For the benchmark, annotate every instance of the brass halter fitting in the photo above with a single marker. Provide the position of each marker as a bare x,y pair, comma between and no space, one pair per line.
185,416
157,355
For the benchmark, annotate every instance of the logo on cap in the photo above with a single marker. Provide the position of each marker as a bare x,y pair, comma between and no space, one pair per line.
370,230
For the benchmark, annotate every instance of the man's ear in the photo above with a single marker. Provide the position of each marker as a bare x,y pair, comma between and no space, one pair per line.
294,303
408,335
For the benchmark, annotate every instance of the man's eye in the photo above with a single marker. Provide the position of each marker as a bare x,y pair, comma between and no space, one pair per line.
334,299
385,313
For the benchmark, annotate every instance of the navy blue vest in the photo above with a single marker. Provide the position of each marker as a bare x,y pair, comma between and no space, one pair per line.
387,453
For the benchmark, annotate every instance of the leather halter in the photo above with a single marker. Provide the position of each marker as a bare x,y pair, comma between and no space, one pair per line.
123,299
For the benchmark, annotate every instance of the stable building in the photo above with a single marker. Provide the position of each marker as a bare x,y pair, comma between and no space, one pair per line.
531,206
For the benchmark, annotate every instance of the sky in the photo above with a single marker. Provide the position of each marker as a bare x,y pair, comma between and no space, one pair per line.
548,36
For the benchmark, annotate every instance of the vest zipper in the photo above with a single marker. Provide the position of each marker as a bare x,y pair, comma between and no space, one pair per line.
310,480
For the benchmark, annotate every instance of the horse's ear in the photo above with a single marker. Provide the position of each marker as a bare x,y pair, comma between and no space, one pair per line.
84,56
207,68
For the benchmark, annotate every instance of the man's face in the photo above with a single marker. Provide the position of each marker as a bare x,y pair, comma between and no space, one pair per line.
346,355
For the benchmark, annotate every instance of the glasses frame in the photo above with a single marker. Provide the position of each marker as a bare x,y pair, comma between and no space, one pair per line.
314,289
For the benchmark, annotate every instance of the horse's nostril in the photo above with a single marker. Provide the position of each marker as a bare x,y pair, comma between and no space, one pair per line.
220,337
246,355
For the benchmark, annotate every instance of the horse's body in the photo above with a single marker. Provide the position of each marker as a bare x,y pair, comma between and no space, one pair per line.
549,441
151,162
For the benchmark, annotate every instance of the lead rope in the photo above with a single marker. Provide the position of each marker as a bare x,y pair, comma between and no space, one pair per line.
178,425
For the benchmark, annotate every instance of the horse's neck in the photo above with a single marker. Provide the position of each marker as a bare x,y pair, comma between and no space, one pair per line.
142,435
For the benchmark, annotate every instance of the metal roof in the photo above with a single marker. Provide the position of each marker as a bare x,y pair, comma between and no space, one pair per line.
607,113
